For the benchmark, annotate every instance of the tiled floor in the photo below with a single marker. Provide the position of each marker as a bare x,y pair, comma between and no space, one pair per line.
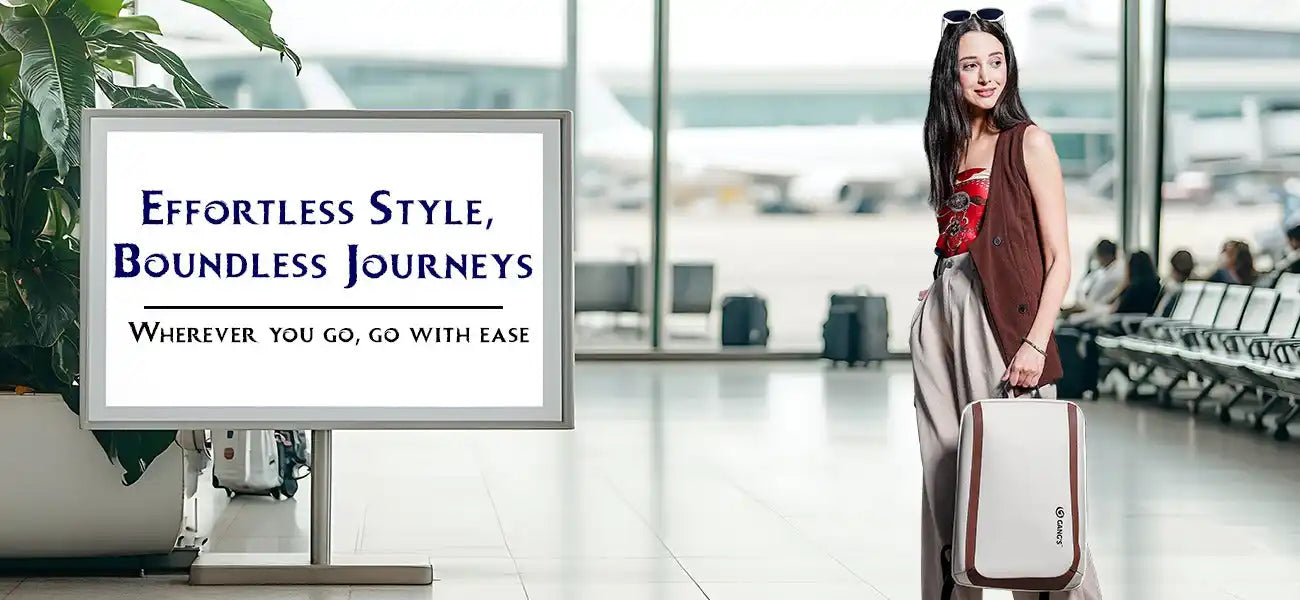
752,481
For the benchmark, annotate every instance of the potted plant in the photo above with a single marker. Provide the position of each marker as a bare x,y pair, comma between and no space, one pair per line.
54,54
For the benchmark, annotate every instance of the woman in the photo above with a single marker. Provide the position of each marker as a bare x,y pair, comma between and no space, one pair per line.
1003,269
1141,288
1237,266
1138,293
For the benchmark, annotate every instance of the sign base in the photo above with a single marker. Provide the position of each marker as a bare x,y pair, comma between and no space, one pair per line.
215,568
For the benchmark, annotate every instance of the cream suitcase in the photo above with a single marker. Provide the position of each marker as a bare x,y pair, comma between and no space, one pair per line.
1021,512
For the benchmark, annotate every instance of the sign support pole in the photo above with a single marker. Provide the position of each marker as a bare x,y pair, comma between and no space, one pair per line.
322,567
321,488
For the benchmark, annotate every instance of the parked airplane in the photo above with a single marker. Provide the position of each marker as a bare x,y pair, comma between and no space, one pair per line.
808,167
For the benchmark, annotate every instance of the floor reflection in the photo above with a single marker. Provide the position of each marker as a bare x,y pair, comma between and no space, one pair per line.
772,480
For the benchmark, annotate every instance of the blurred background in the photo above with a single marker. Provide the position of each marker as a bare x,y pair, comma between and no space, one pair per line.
795,157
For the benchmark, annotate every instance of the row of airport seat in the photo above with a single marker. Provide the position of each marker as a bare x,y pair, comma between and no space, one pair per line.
615,286
1218,336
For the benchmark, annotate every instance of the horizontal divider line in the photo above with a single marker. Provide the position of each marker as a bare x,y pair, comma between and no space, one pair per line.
321,307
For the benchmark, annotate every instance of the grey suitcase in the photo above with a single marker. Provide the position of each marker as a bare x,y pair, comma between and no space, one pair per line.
872,324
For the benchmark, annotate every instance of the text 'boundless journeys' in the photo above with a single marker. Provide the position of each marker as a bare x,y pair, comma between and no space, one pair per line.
130,260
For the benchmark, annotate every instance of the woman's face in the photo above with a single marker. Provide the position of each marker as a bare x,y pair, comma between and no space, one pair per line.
982,67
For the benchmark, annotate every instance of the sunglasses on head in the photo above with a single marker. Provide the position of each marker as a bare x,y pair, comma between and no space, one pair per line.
992,15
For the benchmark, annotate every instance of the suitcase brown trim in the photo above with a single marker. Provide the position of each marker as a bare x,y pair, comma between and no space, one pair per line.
973,505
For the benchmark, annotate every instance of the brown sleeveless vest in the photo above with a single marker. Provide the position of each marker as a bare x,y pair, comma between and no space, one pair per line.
1008,253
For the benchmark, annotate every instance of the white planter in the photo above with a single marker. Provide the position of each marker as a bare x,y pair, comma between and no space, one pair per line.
60,497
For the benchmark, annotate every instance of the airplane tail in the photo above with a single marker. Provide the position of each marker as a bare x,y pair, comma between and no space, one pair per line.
600,114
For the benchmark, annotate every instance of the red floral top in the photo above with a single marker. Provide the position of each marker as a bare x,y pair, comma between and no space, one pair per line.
960,216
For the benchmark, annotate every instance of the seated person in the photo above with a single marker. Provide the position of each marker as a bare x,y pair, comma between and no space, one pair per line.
1289,263
1181,267
1140,290
1138,293
1237,264
1100,285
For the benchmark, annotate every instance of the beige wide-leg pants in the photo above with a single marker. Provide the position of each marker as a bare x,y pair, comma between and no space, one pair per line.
956,361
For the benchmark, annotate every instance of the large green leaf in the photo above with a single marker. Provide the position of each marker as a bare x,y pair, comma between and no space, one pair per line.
56,78
9,69
20,10
50,289
25,165
35,214
140,23
41,6
15,324
5,295
133,451
89,22
253,19
27,365
187,87
57,225
43,176
13,328
30,133
65,210
72,183
108,8
26,186
125,66
64,355
120,60
139,97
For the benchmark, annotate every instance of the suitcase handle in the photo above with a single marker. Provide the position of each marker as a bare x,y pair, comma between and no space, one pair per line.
1004,389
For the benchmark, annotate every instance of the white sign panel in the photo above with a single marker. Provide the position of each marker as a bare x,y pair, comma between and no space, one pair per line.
326,270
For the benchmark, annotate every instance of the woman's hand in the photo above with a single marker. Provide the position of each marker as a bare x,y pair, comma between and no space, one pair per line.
1025,369
921,296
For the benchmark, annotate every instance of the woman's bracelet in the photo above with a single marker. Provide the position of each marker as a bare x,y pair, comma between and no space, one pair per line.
1034,346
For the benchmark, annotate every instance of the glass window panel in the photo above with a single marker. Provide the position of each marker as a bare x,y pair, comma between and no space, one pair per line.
797,150
449,54
1232,135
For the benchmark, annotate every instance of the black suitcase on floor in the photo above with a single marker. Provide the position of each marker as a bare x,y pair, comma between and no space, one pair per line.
840,334
871,325
744,320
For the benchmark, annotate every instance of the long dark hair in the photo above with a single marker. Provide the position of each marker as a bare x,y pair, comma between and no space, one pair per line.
1141,269
947,121
1141,287
1242,261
